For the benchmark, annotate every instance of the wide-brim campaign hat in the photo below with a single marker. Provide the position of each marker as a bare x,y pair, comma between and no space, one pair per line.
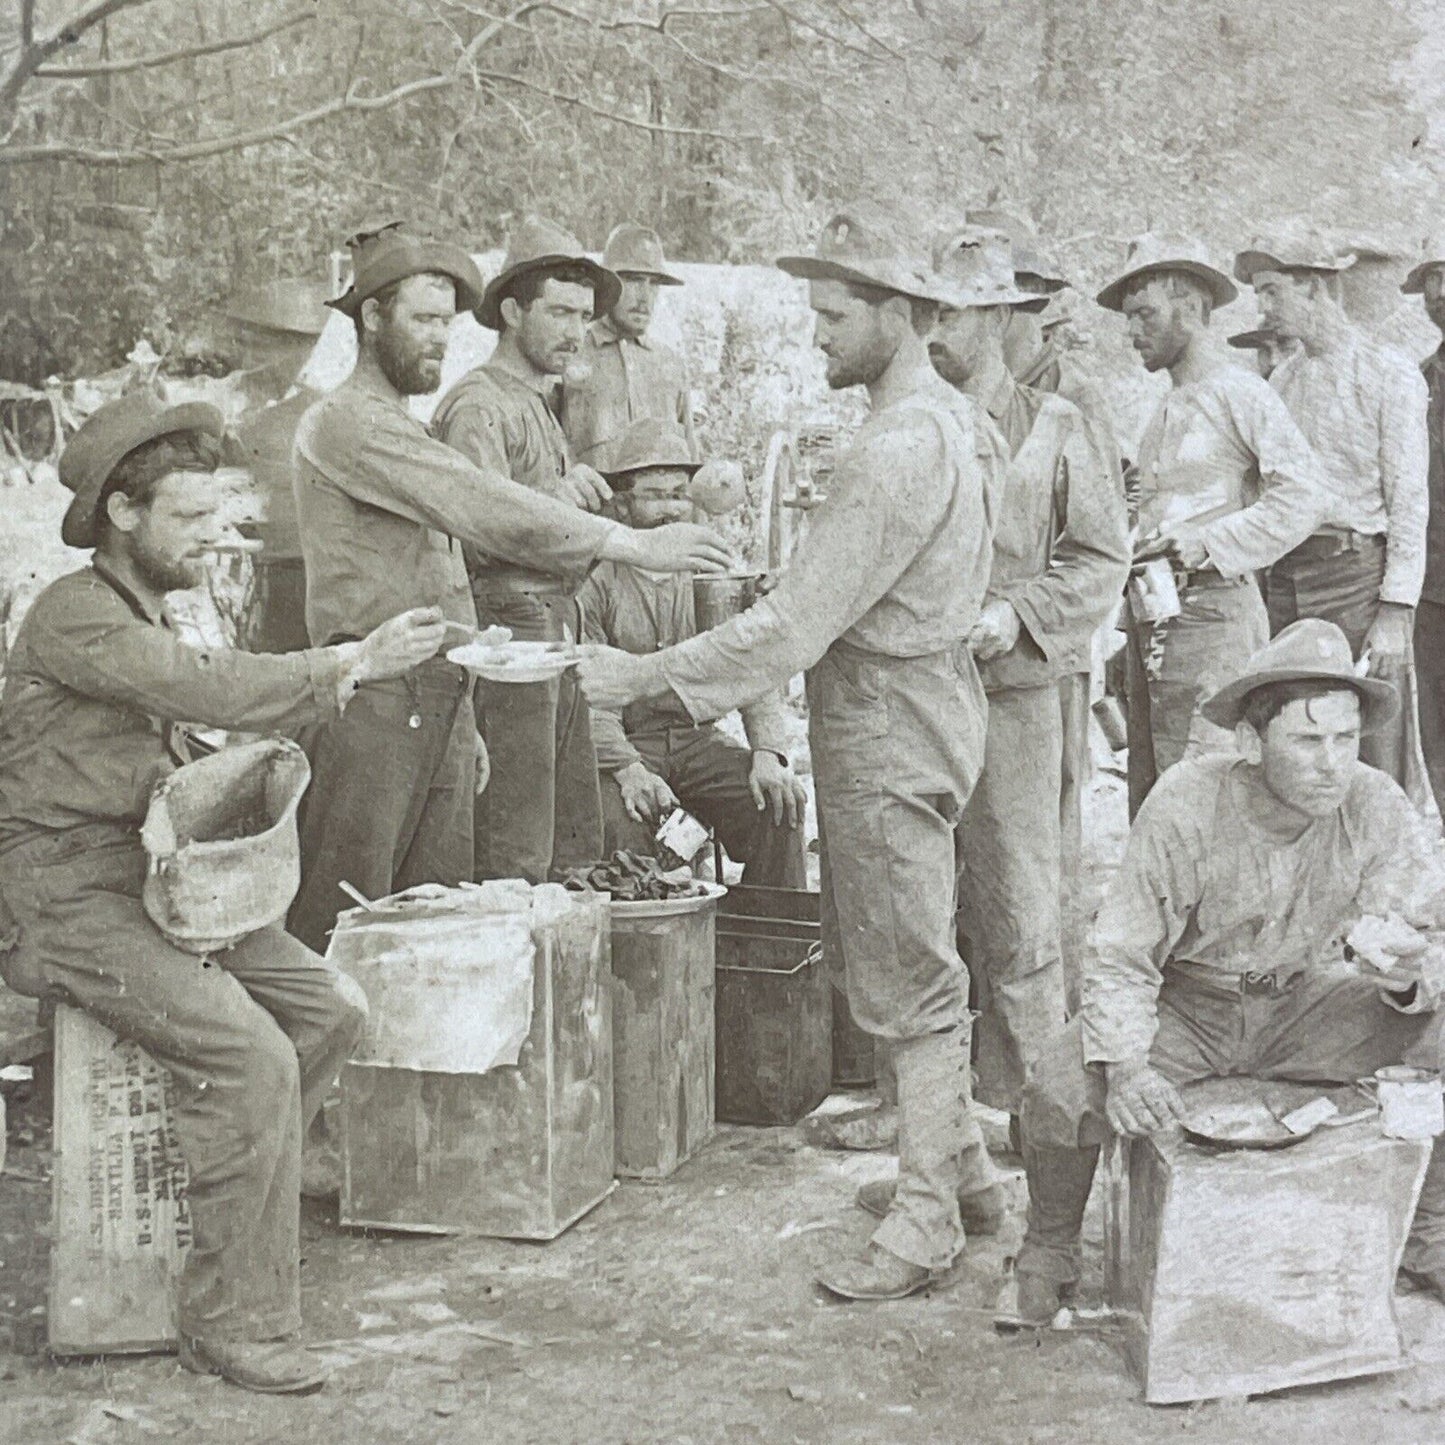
1311,650
651,442
1254,340
1153,255
1432,254
535,245
635,250
391,253
859,247
974,267
1034,269
1291,253
291,305
108,435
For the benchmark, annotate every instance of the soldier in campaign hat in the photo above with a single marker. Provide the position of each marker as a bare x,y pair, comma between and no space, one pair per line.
97,711
877,605
623,374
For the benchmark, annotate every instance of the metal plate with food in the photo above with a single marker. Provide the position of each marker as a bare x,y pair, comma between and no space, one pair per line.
640,887
1233,1114
515,661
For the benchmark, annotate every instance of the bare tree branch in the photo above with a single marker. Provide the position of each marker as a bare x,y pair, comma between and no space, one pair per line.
170,57
37,52
27,24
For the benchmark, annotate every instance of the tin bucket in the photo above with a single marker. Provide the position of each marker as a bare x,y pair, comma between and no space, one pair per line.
1411,1104
715,599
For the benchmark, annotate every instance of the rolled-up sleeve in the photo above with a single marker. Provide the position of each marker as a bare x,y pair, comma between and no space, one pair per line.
381,456
1294,498
1405,482
609,736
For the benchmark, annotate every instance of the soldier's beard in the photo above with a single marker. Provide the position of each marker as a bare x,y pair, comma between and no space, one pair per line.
411,369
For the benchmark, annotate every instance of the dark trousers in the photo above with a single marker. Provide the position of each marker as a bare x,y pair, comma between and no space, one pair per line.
542,810
1430,675
390,802
275,615
253,1038
1330,1028
709,772
1340,581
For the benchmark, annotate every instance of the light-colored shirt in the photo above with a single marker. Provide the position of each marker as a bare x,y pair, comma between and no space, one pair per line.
384,510
1060,545
1363,409
1225,451
622,379
643,612
505,424
266,439
895,562
96,692
1216,873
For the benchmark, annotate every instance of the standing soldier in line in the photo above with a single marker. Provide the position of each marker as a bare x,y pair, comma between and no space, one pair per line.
877,605
1227,486
1060,560
385,510
622,374
543,810
279,324
1362,408
1427,280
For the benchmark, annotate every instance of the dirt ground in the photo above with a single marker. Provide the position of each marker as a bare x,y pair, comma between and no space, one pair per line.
675,1312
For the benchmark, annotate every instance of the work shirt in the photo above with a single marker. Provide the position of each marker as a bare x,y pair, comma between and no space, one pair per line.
1052,371
1224,449
622,379
1060,545
895,561
1433,368
385,509
643,612
505,424
1363,408
266,439
1218,874
96,688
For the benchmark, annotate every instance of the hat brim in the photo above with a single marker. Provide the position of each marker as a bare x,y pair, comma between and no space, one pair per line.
815,268
1221,289
1247,263
669,464
1252,340
606,286
1414,283
80,527
1015,299
436,258
1379,701
663,278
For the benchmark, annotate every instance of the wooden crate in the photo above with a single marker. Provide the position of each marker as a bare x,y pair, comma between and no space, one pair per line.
1243,1272
664,1036
120,1227
517,1152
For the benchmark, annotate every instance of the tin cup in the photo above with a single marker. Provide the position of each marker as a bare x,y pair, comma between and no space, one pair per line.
715,599
1411,1105
1153,592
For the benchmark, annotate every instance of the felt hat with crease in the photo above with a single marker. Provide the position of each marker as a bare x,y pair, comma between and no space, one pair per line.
1305,651
637,251
973,267
535,245
1295,253
109,434
860,247
291,304
651,442
391,253
1433,254
1153,255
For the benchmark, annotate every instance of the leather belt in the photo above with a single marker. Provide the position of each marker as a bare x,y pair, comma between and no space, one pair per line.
1332,541
1254,984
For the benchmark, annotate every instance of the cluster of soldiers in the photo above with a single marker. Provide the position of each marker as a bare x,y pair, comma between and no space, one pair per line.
943,605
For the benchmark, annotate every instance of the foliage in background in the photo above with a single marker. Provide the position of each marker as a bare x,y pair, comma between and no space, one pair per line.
148,165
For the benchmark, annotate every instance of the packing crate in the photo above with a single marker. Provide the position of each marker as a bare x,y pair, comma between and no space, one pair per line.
663,1031
120,1227
774,1007
1247,1271
519,1151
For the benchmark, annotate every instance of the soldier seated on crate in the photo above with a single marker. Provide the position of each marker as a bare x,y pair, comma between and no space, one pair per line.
91,719
1272,918
652,756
